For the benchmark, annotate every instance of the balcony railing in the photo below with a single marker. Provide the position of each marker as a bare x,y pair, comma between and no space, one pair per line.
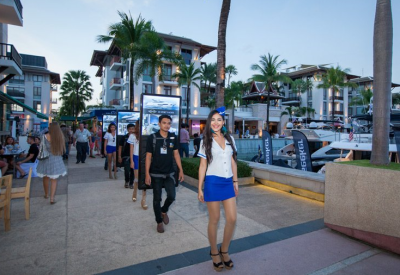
337,112
115,81
168,78
14,93
114,102
9,52
291,98
53,87
19,7
336,97
54,101
115,59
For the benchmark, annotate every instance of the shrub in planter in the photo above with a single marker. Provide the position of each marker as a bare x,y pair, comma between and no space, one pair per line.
191,168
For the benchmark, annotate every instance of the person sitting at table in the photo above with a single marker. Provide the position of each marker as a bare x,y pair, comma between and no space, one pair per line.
27,158
9,141
3,164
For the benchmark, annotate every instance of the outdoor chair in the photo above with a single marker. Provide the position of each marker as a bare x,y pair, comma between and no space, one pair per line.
5,200
24,192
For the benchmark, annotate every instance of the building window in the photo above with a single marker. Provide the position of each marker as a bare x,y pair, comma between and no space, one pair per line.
309,104
309,94
325,94
38,78
147,89
18,80
37,91
350,111
341,107
187,56
359,110
146,75
324,108
37,105
183,93
167,72
16,91
167,90
17,108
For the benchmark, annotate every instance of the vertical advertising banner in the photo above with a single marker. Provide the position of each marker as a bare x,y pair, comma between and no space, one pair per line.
267,147
123,119
152,107
107,119
303,157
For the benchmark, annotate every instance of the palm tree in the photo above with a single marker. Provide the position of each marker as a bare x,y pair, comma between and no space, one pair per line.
208,76
152,53
395,99
335,79
76,89
383,51
363,99
231,70
126,34
221,51
188,75
234,94
269,75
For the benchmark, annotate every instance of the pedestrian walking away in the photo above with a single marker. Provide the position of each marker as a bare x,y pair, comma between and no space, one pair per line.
67,136
134,162
81,138
184,140
51,168
159,168
218,171
110,146
124,156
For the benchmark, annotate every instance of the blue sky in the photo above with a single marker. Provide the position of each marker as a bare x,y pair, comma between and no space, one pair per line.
300,31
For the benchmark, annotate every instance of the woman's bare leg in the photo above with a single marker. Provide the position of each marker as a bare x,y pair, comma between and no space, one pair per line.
53,188
213,219
114,159
230,215
46,186
109,158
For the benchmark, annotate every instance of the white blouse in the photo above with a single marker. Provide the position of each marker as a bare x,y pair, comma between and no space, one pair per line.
221,164
132,140
111,140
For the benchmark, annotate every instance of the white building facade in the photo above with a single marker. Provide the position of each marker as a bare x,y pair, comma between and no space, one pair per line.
114,78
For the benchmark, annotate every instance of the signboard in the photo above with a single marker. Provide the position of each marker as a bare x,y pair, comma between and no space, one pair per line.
152,107
107,119
267,147
125,118
303,157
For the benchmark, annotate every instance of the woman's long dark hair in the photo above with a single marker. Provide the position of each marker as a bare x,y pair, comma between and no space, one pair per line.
208,139
136,132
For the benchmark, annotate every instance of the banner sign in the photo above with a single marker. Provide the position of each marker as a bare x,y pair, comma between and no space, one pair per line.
152,107
123,119
397,138
303,157
267,147
107,119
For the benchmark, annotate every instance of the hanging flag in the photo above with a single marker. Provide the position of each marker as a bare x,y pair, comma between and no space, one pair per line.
267,147
303,157
351,133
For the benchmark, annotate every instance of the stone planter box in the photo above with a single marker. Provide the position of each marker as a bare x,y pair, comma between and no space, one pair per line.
242,181
364,203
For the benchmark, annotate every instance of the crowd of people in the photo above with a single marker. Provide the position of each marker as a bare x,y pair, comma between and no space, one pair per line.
218,181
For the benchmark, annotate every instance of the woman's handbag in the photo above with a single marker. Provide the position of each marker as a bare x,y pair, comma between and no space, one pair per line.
43,153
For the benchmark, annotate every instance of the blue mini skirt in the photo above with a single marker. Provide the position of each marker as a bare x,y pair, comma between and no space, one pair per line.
218,188
111,149
136,162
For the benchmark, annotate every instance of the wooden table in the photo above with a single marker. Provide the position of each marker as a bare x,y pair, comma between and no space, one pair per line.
14,154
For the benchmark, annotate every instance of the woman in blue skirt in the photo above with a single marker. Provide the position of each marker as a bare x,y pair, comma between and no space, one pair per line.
218,171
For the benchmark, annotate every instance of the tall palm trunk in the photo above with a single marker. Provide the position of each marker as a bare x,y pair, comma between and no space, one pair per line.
221,52
187,102
333,104
233,117
131,86
383,51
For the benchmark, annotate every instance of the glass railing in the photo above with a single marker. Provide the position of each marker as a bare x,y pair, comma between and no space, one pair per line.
8,51
19,7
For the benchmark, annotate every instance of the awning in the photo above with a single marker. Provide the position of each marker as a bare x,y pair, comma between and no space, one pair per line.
247,118
197,117
10,100
72,118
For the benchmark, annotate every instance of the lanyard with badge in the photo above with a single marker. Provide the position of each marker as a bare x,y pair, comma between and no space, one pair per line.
163,149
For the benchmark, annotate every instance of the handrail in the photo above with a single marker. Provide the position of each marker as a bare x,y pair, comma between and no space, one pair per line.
8,51
19,6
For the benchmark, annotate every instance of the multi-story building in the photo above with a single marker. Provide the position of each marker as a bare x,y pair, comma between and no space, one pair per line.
364,83
114,78
10,60
34,88
319,99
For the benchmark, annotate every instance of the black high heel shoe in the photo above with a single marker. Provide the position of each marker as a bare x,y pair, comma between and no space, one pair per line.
228,264
217,266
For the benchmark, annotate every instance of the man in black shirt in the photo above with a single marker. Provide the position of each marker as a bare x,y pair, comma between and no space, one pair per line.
124,156
160,170
27,158
196,144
